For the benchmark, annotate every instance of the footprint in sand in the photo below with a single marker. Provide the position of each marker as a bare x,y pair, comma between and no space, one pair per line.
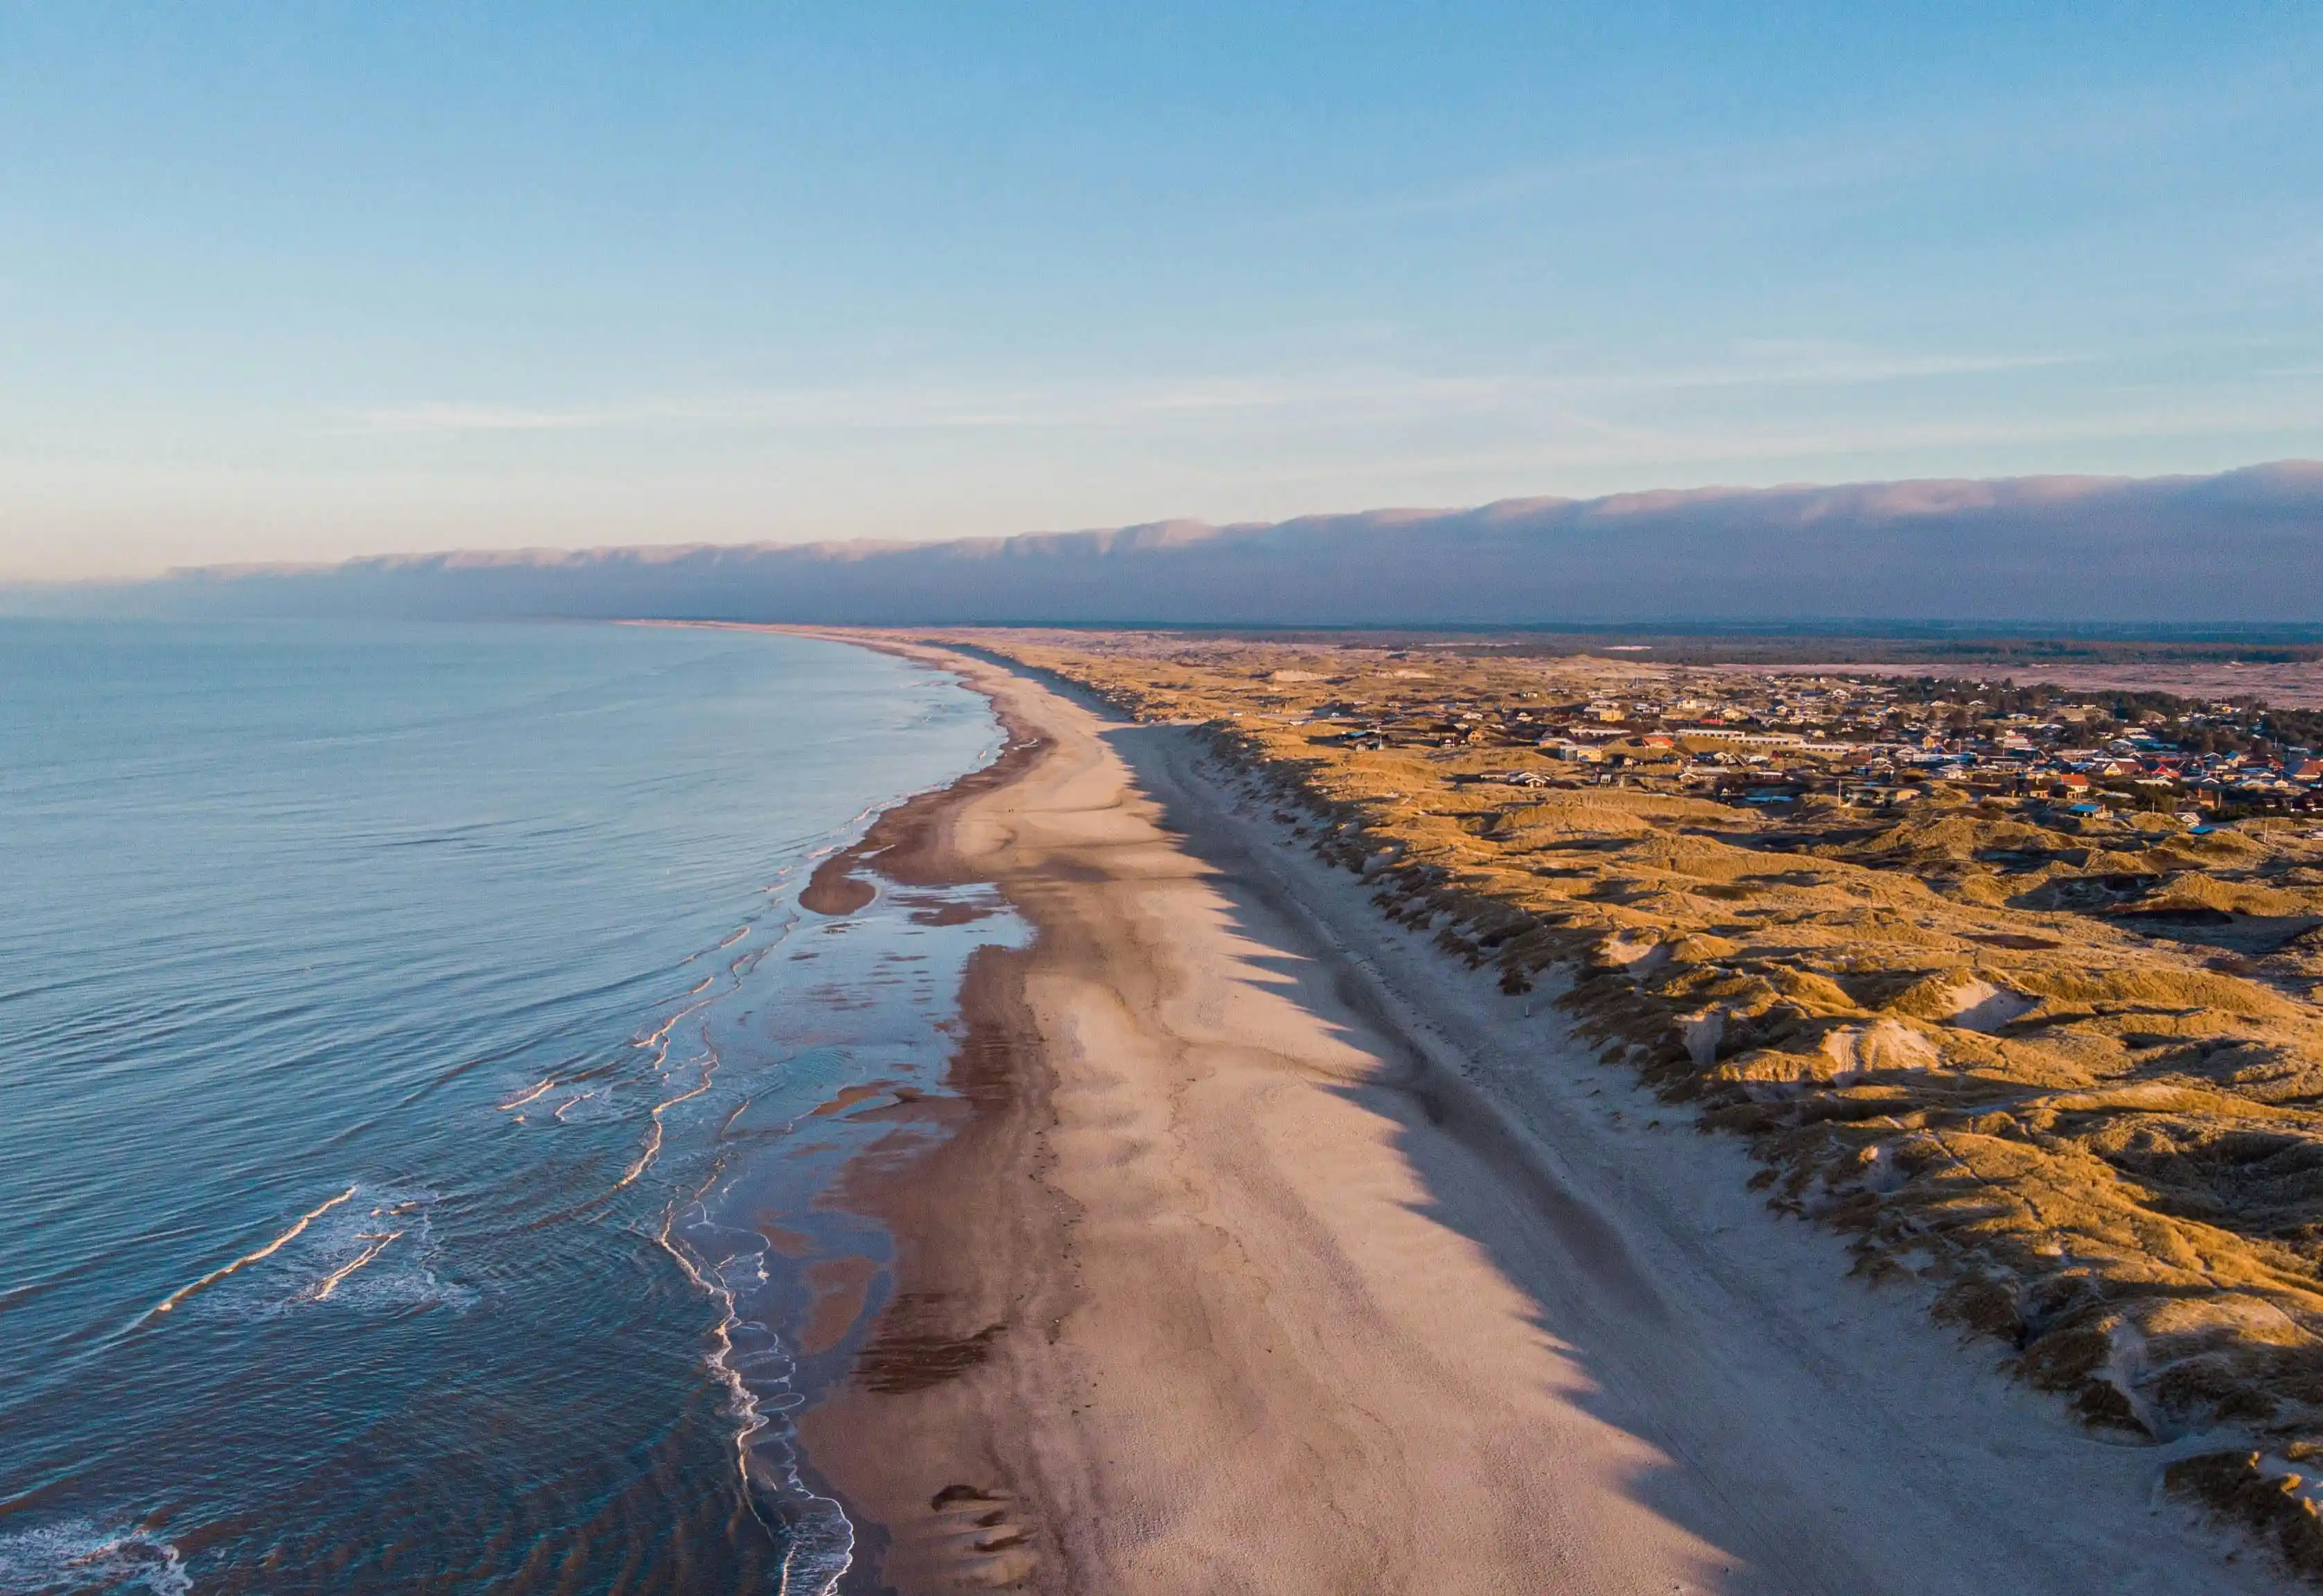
982,1531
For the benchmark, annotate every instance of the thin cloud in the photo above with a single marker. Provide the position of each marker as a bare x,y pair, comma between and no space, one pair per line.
1631,449
1363,394
1809,363
2029,132
450,416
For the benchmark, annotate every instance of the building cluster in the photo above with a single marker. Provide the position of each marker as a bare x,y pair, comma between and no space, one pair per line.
1872,742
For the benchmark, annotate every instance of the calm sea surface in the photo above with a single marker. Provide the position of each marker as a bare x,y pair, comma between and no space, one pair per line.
405,1035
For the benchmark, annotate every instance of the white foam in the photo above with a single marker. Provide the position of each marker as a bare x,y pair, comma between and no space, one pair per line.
652,1150
587,1107
329,1284
519,1102
371,1249
76,1556
381,1255
267,1251
818,1538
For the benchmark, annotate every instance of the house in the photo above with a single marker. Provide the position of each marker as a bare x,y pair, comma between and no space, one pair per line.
1764,739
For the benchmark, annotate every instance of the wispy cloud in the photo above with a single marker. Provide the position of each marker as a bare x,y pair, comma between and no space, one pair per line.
1752,449
1808,363
440,417
909,407
1373,393
2027,130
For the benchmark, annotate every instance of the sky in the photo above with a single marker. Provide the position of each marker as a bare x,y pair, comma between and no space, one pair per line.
302,281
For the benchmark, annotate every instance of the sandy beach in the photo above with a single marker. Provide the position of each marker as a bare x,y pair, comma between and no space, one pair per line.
1268,1250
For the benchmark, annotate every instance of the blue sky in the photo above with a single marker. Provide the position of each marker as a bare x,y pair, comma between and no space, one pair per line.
301,281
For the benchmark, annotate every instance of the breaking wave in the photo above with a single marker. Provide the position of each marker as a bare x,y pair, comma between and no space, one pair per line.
76,1558
368,1247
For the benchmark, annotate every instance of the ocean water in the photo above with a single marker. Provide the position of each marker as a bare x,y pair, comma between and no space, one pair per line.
411,1049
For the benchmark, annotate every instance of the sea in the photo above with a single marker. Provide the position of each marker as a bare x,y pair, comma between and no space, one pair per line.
422,1097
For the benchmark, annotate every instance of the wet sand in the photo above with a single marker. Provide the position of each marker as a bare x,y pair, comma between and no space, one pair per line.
1267,1251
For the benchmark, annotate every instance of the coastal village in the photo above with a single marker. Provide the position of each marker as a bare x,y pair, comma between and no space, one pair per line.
1870,742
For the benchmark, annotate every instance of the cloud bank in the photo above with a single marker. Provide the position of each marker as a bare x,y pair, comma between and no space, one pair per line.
2244,546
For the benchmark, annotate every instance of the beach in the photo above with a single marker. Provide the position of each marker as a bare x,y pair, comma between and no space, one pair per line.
1266,1248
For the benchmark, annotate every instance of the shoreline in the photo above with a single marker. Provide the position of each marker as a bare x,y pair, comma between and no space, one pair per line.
918,1444
1267,1255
